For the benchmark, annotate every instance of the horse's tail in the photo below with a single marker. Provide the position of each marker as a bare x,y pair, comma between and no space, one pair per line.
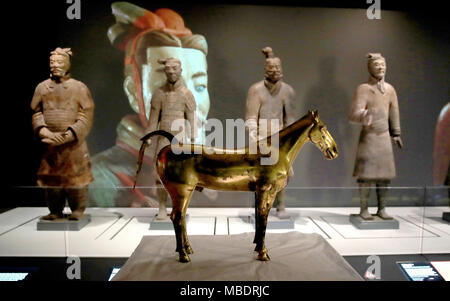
144,139
168,135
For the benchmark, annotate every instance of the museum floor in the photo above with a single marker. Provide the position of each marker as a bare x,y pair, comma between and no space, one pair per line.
114,233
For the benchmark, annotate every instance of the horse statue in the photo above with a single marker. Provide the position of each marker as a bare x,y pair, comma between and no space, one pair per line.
183,168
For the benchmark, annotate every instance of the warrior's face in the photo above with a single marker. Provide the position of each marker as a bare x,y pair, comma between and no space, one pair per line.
377,68
273,70
59,65
173,71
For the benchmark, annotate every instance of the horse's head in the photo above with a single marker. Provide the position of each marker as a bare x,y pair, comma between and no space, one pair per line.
321,138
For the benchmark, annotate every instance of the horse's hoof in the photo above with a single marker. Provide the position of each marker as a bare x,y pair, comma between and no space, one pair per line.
185,258
263,256
189,250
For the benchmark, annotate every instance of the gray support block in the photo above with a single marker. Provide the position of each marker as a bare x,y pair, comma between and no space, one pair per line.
446,216
63,224
165,224
376,224
274,222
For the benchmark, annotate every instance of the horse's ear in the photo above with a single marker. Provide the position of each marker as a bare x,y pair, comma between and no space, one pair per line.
315,115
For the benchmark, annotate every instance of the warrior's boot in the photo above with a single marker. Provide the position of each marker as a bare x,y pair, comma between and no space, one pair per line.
78,198
281,209
162,199
364,193
55,199
381,195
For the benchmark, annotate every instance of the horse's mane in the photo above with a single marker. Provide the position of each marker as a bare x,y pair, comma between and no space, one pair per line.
301,123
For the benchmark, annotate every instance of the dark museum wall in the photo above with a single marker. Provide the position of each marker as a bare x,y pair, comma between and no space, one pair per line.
323,55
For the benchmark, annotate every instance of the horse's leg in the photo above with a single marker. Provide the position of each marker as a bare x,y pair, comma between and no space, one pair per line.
186,245
258,220
265,202
180,195
255,239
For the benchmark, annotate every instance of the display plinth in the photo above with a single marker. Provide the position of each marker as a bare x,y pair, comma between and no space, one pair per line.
63,224
294,256
275,222
165,224
446,216
376,224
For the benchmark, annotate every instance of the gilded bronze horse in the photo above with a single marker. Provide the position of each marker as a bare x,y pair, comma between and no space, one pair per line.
183,168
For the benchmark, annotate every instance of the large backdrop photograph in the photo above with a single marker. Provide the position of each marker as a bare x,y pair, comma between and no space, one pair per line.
323,53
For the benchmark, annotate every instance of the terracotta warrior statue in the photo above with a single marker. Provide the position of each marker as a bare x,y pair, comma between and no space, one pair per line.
375,106
172,101
441,148
441,151
63,113
268,100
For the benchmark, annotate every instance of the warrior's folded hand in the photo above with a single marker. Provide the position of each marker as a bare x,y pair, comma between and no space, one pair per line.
366,117
63,138
49,137
398,141
253,135
252,130
57,138
68,136
45,133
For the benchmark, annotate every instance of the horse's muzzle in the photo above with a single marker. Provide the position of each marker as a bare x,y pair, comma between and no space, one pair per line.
331,154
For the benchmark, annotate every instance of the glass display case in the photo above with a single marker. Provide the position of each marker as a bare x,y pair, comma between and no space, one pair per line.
114,233
323,53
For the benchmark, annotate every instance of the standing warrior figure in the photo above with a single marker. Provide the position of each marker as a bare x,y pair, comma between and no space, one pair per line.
63,114
171,102
270,100
375,106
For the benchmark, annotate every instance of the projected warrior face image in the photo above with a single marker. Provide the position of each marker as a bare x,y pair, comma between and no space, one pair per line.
194,74
145,37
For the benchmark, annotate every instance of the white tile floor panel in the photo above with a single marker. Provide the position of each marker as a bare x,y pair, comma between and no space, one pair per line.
116,232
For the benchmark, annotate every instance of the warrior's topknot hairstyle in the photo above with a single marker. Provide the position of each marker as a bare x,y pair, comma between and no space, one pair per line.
270,56
67,52
374,56
268,52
